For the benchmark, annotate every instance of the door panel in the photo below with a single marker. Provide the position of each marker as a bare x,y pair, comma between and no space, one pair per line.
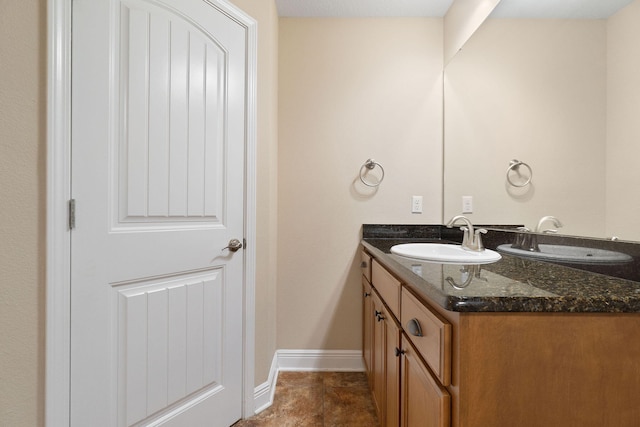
173,108
169,340
158,139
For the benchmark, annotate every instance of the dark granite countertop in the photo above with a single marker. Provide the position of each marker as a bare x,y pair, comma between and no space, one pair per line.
513,284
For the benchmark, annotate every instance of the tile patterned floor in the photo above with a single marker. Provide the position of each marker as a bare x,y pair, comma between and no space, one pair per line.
318,399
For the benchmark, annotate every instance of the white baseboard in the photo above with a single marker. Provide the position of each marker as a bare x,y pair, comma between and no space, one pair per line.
305,360
263,394
320,360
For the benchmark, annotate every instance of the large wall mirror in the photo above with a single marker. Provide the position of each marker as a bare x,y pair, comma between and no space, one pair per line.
560,91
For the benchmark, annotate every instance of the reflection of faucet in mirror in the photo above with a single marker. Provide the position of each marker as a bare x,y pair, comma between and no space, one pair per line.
556,223
522,239
471,240
468,273
533,238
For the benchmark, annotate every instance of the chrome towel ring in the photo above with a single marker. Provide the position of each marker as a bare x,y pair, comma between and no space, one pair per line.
370,164
514,165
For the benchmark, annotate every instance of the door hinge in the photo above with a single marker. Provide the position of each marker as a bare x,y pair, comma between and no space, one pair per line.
72,214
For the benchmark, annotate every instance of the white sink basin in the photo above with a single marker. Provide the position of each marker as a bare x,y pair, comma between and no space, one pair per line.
570,254
440,252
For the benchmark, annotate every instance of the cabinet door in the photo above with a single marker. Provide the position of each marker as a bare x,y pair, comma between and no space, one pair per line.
378,356
367,330
392,333
365,265
425,402
386,363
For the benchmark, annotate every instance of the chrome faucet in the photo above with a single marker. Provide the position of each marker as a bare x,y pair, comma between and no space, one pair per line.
471,240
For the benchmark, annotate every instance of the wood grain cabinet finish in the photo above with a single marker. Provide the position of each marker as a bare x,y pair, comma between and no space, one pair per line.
365,265
430,334
505,369
387,286
425,402
386,363
378,354
367,330
392,333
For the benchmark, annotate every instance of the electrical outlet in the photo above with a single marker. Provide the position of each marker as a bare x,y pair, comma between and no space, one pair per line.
416,204
467,204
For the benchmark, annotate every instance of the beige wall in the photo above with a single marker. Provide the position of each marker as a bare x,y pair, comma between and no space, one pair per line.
265,13
22,211
533,90
623,126
349,89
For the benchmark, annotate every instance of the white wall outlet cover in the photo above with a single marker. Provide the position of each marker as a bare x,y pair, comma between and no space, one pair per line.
416,204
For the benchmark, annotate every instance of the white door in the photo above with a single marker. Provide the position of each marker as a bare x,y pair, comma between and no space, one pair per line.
158,134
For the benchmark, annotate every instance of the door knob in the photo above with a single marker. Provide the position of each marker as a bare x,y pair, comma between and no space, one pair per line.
234,245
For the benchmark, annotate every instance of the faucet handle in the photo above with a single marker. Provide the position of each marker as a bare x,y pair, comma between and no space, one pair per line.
465,236
477,244
550,231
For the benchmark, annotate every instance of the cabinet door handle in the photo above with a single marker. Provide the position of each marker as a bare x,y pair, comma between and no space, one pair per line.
363,264
399,352
413,326
379,315
367,294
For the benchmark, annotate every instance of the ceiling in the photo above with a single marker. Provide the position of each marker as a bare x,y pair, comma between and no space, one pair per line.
572,9
362,8
575,9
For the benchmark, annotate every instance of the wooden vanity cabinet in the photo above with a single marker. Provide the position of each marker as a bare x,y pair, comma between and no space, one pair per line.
425,402
430,333
367,330
365,265
499,369
367,316
542,369
386,364
387,359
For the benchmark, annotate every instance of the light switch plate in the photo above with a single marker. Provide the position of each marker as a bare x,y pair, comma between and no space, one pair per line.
467,204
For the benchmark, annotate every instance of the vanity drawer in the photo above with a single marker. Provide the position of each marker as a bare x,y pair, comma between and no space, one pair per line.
430,334
365,265
387,286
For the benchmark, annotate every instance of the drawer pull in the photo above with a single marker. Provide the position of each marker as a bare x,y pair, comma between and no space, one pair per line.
379,316
367,294
413,326
363,264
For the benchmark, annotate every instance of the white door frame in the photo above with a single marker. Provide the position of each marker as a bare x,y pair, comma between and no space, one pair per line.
58,272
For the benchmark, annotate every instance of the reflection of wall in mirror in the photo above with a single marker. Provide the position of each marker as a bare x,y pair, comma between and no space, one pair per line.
623,123
460,22
536,90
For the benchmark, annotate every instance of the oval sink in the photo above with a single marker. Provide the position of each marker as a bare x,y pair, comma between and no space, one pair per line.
444,253
570,254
